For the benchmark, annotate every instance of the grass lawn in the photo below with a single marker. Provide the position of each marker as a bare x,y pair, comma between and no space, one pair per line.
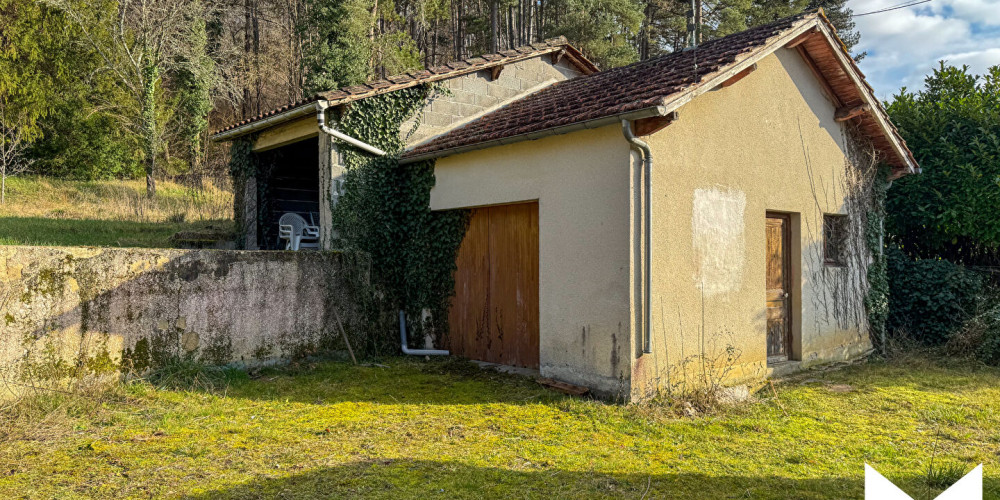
115,213
416,429
94,232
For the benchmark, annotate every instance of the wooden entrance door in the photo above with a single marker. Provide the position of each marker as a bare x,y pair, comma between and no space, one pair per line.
494,313
779,338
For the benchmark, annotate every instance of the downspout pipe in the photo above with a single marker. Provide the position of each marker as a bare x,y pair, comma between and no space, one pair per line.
646,155
414,352
321,107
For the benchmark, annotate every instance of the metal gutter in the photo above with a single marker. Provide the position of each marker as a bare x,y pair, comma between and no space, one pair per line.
298,112
646,156
321,107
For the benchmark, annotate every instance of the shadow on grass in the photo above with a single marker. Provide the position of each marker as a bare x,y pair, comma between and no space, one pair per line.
393,381
409,478
428,479
90,232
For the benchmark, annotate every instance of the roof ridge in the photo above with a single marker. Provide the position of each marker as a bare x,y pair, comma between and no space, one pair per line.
636,89
488,59
412,77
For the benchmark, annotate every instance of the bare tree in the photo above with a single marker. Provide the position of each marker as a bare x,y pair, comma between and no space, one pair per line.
13,142
140,44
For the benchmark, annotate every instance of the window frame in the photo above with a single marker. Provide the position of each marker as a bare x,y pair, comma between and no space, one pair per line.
835,227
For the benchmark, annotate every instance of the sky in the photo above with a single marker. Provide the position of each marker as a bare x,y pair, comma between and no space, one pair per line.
904,45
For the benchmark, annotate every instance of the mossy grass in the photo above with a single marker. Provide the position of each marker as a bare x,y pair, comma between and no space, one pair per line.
112,213
409,428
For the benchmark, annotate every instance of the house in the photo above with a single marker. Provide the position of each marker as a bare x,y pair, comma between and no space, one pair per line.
690,219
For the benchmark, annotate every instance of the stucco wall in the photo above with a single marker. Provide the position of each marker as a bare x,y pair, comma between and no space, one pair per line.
581,182
767,143
473,94
100,308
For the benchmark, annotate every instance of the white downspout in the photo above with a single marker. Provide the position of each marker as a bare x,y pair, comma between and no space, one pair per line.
646,155
321,118
414,352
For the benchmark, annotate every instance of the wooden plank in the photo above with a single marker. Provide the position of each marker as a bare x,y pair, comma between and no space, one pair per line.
494,313
739,76
653,124
846,113
468,317
557,56
827,89
802,38
563,387
514,284
777,286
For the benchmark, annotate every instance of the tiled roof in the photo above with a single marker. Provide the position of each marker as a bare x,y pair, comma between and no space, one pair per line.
437,73
611,92
647,85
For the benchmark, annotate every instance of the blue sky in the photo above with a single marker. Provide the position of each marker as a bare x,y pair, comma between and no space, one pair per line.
905,44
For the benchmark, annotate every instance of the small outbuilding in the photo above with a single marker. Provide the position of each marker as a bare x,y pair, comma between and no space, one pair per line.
704,217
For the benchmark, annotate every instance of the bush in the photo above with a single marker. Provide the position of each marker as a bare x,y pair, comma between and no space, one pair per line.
952,209
931,300
980,336
989,348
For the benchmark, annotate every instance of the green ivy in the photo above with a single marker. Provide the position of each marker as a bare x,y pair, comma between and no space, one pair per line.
384,213
877,298
242,166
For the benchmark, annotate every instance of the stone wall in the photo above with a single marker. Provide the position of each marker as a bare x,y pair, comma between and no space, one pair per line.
474,94
69,311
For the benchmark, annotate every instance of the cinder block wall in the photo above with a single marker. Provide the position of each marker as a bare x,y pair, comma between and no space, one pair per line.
472,95
71,311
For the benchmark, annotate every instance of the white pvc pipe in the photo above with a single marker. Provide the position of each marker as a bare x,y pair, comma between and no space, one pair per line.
321,118
415,352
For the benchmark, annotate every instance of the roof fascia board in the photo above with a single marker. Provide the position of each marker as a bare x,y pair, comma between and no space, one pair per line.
751,59
565,129
446,76
866,95
286,116
772,47
290,114
662,110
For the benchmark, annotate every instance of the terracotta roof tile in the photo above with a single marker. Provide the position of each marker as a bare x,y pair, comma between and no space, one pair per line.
607,93
457,68
655,82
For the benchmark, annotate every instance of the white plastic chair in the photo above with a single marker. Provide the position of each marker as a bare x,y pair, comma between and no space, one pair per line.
297,232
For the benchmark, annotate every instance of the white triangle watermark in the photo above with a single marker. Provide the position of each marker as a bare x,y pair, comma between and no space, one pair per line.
970,487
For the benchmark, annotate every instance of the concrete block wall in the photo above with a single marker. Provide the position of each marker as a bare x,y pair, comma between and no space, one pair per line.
471,95
67,311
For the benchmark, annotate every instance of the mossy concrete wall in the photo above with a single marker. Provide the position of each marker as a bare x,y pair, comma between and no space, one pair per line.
68,311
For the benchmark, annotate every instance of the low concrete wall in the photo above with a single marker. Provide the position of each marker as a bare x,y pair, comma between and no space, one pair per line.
69,311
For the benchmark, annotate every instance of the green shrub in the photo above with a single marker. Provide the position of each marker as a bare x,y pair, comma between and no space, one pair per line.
931,299
984,333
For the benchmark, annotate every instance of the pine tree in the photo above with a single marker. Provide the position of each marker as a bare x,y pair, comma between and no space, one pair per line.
351,41
842,18
604,30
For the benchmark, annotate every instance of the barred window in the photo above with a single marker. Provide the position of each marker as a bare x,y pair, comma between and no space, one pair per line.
835,239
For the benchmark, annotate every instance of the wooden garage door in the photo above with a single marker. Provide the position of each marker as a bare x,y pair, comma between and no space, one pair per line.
494,313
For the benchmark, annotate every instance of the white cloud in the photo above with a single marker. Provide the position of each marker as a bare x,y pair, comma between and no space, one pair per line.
904,45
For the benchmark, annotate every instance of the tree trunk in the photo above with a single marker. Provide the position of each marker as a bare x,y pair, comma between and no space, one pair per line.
494,38
247,49
150,77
